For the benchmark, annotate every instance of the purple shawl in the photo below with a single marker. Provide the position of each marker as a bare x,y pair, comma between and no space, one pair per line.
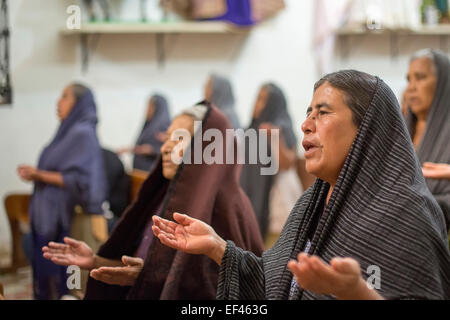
159,122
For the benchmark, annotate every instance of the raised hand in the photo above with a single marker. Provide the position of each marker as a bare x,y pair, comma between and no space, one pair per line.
342,278
143,149
189,235
27,173
71,252
436,170
122,276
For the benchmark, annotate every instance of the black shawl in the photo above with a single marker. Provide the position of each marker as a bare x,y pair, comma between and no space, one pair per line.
435,145
380,213
258,186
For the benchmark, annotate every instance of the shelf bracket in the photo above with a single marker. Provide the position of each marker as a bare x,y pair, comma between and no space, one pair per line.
345,48
160,50
86,51
443,43
395,49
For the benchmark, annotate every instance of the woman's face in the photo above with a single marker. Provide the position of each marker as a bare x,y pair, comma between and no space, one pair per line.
150,110
260,103
329,132
168,149
66,103
421,88
209,89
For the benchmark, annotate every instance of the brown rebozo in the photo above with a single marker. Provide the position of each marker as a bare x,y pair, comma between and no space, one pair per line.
210,193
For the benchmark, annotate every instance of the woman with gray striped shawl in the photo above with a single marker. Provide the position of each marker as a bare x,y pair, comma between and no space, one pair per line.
368,228
427,99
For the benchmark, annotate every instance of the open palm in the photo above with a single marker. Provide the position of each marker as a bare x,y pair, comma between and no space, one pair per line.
71,252
186,234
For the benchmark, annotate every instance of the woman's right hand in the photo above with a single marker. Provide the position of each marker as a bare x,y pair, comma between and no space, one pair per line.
27,173
124,150
189,235
72,252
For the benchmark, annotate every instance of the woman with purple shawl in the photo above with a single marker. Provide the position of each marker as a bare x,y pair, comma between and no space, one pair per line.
151,138
70,174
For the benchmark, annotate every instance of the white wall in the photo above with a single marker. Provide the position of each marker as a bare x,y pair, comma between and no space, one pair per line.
123,72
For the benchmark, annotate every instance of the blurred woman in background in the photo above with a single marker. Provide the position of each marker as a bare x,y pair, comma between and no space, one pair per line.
151,138
270,112
428,118
69,176
219,92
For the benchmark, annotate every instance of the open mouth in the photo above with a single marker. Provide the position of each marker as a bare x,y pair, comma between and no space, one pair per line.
309,147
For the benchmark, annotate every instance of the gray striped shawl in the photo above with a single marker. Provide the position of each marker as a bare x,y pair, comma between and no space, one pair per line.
380,213
435,145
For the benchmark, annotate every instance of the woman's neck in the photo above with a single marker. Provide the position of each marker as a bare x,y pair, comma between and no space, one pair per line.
419,131
330,191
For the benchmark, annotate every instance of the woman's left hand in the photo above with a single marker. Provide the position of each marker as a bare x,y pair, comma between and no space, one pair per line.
27,173
342,278
122,276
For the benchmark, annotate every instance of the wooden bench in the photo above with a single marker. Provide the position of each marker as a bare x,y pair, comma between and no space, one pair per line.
16,206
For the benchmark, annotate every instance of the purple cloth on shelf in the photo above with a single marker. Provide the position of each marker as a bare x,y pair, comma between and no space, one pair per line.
239,12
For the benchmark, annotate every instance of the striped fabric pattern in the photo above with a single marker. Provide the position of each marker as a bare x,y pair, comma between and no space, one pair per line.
380,213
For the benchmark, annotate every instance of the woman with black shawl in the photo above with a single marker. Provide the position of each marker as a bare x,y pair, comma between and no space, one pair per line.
157,120
158,272
370,204
428,118
270,112
70,173
219,92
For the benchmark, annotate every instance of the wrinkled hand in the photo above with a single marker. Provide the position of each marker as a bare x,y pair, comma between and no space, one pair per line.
122,276
342,278
436,170
27,173
189,235
72,252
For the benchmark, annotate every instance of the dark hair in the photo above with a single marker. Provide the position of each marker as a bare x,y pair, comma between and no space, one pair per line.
358,89
78,90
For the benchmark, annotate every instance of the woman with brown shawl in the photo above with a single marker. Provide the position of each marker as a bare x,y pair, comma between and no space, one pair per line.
210,193
369,219
428,119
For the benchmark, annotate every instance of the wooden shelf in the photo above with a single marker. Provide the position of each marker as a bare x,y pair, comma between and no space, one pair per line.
442,31
160,30
204,27
438,30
